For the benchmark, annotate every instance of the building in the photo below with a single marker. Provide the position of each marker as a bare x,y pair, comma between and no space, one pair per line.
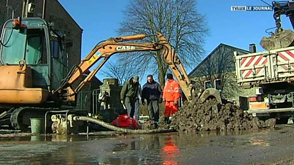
220,64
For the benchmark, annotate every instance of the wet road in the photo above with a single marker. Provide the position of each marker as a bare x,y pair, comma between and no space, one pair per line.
263,147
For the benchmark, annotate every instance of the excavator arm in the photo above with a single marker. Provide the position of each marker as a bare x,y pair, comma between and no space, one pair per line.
176,66
116,45
280,38
101,51
283,8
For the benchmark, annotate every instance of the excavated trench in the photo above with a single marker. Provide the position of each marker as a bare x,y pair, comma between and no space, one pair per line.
196,116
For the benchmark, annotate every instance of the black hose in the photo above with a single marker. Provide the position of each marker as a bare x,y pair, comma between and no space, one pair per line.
118,129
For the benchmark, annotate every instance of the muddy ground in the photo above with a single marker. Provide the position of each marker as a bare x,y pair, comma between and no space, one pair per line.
210,116
206,135
270,146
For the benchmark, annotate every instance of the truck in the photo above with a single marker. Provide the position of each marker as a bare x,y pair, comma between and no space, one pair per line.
32,83
270,72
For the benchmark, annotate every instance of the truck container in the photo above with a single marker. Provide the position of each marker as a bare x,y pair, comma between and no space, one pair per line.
272,73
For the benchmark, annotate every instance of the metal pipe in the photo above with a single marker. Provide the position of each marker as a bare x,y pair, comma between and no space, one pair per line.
7,9
23,8
12,14
44,9
118,129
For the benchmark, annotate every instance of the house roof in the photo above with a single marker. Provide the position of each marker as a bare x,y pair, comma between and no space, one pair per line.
213,52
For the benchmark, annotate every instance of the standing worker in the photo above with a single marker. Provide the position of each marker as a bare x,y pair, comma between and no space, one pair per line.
152,93
171,96
130,94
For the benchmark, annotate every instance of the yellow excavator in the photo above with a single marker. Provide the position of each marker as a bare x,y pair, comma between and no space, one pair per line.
32,54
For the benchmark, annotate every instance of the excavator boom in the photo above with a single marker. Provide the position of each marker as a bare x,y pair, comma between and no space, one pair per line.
176,66
116,45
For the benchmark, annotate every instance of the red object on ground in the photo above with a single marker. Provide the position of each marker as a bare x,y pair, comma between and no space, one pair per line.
124,121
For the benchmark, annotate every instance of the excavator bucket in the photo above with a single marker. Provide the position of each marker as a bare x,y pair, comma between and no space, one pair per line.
210,93
278,40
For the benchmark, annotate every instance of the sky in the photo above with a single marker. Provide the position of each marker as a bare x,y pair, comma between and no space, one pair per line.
101,19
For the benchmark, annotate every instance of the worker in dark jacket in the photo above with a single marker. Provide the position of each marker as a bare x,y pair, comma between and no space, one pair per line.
130,95
152,93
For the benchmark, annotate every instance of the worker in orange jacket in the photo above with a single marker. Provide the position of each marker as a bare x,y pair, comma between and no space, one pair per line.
171,96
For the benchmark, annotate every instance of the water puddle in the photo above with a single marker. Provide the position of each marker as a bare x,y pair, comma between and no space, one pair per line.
166,148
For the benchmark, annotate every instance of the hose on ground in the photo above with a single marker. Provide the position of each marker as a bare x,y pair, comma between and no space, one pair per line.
118,129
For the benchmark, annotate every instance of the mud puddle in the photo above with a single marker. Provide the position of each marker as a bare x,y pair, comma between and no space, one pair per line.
28,137
168,148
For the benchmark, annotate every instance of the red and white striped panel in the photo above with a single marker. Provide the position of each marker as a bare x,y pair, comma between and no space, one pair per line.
250,62
286,56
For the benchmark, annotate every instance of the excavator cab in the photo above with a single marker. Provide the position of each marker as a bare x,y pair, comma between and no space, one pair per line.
30,49
33,62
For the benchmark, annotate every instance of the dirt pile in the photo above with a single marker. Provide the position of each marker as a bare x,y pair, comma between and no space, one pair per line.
149,125
196,116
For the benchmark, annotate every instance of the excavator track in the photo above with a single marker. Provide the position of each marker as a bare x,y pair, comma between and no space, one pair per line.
20,117
16,121
5,116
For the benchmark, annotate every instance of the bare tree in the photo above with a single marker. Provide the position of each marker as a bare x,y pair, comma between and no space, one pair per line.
177,20
119,71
